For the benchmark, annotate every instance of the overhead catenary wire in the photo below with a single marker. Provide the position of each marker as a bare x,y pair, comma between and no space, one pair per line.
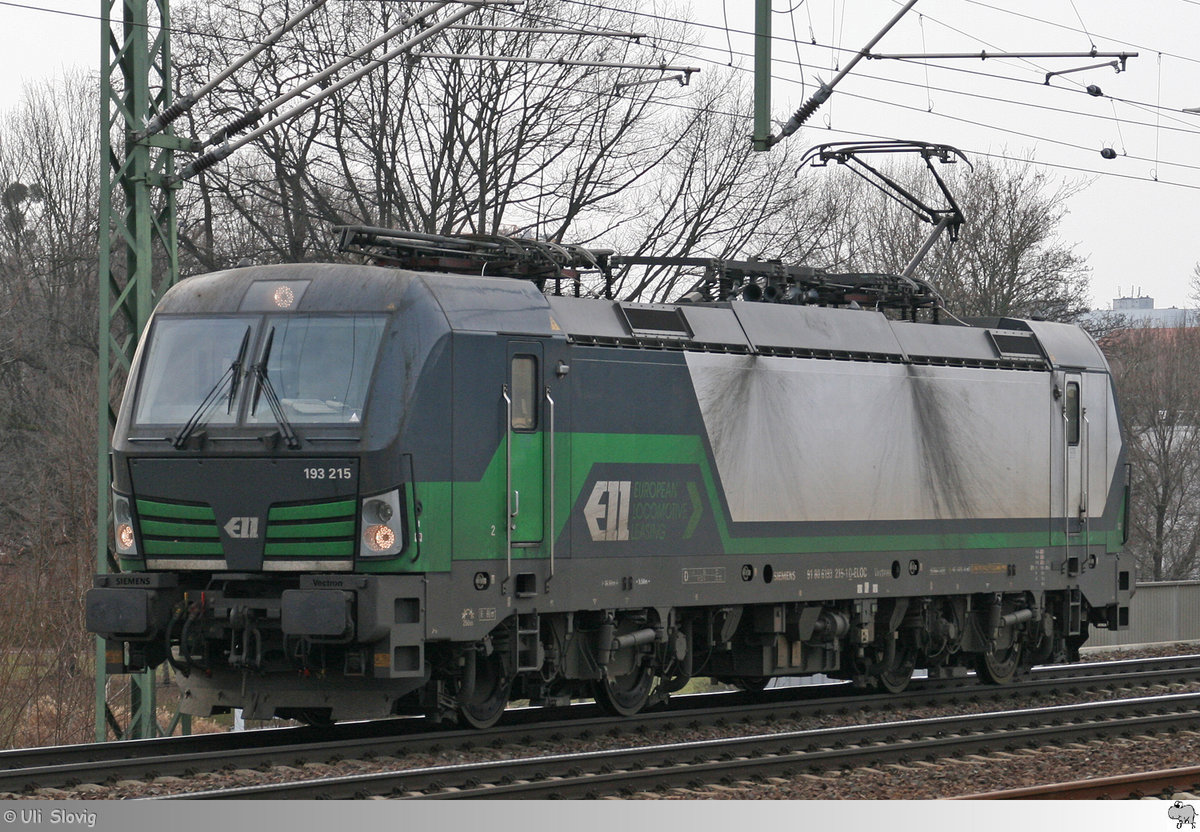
183,30
988,154
980,96
1052,24
1106,173
1026,59
825,90
277,199
256,114
812,38
1138,105
1083,25
1188,126
1109,173
212,157
983,55
1135,104
528,30
1158,109
1039,71
1009,130
796,42
186,101
1002,58
1157,130
779,37
1117,122
813,42
928,91
1021,134
662,67
728,41
1071,145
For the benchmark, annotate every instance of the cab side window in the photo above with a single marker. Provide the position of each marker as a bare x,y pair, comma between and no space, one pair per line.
524,392
1071,412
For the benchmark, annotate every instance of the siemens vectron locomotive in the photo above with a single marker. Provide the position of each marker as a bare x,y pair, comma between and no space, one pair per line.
350,491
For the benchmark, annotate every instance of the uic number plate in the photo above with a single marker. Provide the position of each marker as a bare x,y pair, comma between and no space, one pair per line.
328,473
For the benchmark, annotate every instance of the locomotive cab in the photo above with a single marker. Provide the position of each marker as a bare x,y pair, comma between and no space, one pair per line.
259,476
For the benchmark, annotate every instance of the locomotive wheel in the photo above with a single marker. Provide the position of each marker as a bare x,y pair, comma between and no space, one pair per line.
750,684
997,667
896,679
1050,649
624,695
675,682
483,705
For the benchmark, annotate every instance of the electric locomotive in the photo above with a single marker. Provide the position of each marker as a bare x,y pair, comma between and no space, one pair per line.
349,491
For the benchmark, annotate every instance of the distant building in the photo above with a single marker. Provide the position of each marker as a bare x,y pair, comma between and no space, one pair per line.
1139,311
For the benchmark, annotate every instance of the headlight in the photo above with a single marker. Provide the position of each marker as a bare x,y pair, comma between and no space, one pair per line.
379,538
381,524
123,526
378,510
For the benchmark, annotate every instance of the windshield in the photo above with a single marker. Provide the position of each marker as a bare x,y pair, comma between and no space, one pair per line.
318,365
186,359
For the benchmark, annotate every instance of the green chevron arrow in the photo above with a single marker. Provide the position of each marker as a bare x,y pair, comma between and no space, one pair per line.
697,510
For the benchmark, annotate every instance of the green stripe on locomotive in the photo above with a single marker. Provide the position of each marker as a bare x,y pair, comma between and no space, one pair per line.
464,520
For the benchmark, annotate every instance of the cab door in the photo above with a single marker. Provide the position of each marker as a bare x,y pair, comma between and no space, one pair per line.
525,453
1073,475
1075,454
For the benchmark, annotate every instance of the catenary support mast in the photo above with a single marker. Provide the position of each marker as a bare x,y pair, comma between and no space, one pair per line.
138,261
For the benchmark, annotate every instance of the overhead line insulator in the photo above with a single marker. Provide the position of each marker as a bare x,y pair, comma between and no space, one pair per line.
243,122
159,123
205,161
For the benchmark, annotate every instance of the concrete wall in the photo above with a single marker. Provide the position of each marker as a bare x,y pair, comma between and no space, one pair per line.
1166,611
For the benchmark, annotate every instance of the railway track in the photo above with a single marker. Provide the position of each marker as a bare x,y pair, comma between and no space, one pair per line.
1168,784
30,769
786,754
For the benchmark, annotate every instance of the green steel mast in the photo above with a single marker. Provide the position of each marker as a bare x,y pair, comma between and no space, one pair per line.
138,259
761,138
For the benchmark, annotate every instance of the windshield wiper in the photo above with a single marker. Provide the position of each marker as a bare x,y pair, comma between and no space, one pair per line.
233,375
268,389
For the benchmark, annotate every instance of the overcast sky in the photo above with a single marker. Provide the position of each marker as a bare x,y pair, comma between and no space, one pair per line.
1136,221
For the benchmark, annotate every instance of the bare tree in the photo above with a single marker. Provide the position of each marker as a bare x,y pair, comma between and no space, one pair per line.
48,218
1008,259
711,195
1194,286
1155,373
440,145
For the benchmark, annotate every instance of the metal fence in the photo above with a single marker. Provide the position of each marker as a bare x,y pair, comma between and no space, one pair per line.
1164,611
